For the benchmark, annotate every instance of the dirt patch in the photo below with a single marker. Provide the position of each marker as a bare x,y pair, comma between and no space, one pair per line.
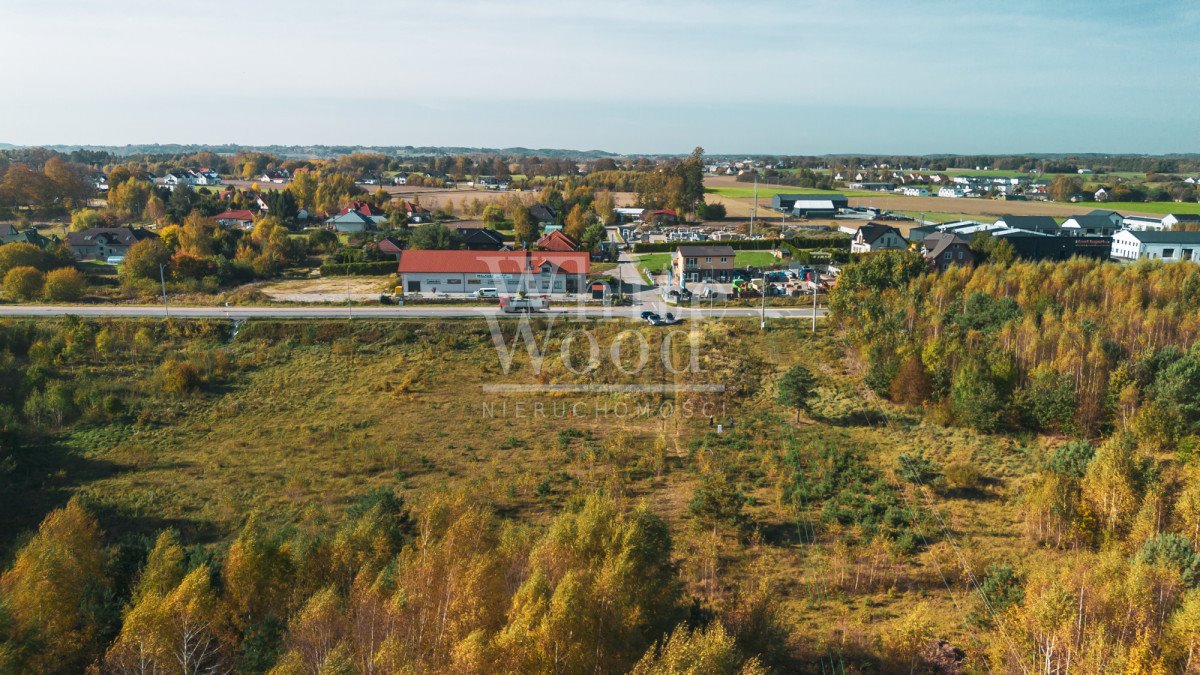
327,289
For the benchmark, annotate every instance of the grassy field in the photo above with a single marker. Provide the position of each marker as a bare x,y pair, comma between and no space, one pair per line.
297,420
1144,207
768,191
657,262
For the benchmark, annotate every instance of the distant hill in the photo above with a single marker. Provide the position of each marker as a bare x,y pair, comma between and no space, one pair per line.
322,151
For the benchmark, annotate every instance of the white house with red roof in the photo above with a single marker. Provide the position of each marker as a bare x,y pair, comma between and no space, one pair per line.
239,218
534,272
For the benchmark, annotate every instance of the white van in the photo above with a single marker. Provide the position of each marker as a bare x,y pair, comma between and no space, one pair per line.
486,293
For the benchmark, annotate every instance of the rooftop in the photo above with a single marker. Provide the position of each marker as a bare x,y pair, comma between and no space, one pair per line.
492,262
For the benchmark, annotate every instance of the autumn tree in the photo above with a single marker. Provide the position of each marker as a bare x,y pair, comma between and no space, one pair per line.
702,650
577,221
143,259
51,591
525,230
603,205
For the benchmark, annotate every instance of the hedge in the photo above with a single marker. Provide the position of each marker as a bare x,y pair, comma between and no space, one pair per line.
835,241
379,268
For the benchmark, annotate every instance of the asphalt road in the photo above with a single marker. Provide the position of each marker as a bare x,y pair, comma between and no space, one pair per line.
385,312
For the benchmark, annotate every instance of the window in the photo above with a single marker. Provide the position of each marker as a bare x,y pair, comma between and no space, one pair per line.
1168,253
1186,254
724,259
949,255
708,260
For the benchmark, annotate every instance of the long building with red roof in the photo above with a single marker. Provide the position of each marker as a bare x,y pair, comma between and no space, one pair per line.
535,272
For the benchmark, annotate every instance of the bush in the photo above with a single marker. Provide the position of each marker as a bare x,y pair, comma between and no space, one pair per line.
65,284
962,475
21,254
380,268
24,283
179,376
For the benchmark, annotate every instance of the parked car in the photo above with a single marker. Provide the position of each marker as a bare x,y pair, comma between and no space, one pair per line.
486,293
647,314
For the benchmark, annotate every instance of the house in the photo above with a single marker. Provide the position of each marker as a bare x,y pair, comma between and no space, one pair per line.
1102,194
809,205
204,176
1090,226
400,178
558,240
1169,246
543,215
481,239
174,179
1142,223
1043,224
664,217
916,192
507,271
102,243
1115,217
275,176
952,192
240,218
1172,220
943,250
9,234
701,263
877,237
390,246
876,186
417,213
358,217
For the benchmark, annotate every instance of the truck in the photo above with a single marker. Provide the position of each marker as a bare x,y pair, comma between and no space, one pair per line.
511,305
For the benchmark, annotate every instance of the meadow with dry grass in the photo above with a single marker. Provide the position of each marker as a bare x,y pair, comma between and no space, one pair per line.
296,421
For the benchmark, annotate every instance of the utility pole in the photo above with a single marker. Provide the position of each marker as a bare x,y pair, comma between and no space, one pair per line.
162,278
814,316
762,325
754,211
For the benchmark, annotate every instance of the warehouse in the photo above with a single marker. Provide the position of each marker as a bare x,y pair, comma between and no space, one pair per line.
824,205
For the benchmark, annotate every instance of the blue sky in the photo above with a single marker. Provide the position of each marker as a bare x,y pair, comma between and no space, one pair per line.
747,77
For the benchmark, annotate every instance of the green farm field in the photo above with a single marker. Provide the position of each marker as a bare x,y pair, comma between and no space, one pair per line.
657,262
768,191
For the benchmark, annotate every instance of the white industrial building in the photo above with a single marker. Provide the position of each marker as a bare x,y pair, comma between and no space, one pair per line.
1142,223
1168,246
535,272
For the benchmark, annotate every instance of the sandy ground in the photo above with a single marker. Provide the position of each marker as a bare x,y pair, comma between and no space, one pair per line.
329,289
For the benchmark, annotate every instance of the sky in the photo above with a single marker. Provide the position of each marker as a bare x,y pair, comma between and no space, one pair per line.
740,76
